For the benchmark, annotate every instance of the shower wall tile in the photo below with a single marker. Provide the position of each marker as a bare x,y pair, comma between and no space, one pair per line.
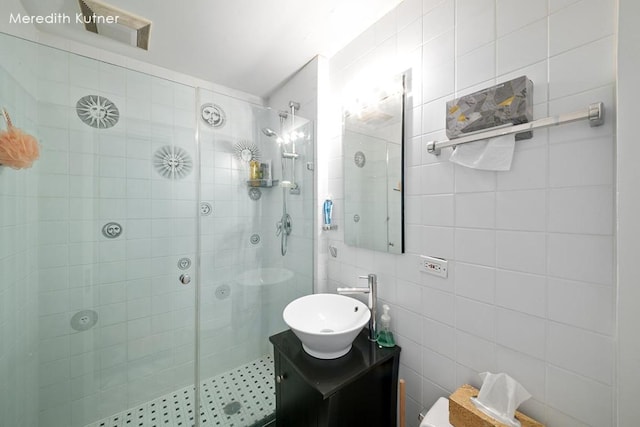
581,304
521,210
184,98
581,257
579,24
591,404
531,266
476,318
54,302
514,14
437,241
441,370
412,353
161,91
431,112
474,353
112,79
581,351
438,20
438,72
410,38
568,170
438,337
583,210
476,67
510,325
437,210
438,306
563,80
510,55
53,232
53,92
475,282
475,210
475,24
58,71
407,12
521,251
522,292
138,86
475,246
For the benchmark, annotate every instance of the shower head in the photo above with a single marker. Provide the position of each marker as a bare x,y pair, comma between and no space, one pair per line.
269,132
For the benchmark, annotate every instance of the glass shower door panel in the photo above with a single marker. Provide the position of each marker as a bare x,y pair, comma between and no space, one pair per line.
246,282
144,274
18,247
94,240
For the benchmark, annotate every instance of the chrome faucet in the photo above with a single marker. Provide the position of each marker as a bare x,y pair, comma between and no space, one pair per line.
372,290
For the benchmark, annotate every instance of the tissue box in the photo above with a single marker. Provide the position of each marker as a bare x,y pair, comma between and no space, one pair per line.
508,102
463,413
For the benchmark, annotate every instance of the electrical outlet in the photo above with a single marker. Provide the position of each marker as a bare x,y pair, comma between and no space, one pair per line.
435,266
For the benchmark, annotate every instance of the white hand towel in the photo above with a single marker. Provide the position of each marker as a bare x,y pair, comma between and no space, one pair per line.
493,154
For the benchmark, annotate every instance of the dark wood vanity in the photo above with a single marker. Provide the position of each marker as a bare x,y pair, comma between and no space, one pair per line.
357,389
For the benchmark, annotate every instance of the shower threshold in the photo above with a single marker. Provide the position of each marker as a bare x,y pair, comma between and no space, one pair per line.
241,397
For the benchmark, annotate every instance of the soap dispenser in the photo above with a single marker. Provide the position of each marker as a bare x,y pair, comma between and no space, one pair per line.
385,336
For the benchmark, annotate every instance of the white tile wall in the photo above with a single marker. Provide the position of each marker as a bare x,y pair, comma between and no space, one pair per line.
530,288
19,252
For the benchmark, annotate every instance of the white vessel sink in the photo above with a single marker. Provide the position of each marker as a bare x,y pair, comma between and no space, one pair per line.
326,324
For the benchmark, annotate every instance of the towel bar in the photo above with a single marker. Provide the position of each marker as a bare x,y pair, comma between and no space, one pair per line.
594,113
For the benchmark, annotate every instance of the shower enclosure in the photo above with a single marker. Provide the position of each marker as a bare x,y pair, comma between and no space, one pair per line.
136,258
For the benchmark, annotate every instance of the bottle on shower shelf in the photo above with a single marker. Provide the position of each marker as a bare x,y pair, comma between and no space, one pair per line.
254,170
265,173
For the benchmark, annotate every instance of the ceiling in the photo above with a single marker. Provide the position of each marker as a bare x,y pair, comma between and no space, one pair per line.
249,45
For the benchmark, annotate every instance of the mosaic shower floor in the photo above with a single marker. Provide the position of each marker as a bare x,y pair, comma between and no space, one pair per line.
242,397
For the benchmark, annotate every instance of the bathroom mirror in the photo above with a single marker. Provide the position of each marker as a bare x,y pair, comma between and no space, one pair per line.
372,136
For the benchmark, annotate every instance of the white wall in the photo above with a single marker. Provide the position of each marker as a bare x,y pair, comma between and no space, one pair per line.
531,287
628,233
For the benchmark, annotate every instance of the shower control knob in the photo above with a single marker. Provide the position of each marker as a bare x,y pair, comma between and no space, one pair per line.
185,279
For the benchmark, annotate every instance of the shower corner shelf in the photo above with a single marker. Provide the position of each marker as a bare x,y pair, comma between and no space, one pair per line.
329,227
265,183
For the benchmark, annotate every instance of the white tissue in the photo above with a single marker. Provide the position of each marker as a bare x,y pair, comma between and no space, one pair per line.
500,396
489,154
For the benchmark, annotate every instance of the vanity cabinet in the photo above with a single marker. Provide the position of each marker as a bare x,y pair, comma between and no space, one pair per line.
359,388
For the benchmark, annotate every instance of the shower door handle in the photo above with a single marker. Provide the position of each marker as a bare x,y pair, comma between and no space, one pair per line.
185,279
